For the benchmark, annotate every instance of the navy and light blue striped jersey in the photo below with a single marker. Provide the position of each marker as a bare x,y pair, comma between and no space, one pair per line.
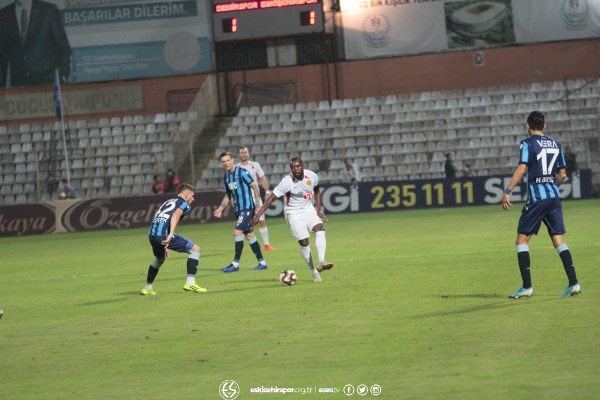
543,157
237,185
161,224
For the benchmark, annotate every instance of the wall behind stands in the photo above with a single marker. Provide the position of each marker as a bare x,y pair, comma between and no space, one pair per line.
82,100
441,71
378,77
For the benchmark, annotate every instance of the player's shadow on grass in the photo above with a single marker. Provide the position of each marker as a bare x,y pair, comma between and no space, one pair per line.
473,296
125,296
506,302
242,285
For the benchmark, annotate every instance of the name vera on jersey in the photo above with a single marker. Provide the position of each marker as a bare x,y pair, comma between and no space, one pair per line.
547,143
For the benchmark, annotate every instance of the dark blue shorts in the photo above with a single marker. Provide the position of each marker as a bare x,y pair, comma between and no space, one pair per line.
547,211
243,219
178,243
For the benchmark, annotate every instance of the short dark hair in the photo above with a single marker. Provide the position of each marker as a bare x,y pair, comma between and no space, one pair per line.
243,147
536,121
186,186
296,159
64,180
225,153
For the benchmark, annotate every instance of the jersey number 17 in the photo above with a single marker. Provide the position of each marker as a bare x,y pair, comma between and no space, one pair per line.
548,157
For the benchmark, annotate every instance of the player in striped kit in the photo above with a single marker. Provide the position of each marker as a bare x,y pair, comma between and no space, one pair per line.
257,173
241,191
300,187
542,159
162,236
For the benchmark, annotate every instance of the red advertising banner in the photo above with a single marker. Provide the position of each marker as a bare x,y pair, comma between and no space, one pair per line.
133,212
137,212
30,219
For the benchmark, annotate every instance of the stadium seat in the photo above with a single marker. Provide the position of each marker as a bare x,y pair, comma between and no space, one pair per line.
337,104
313,165
24,128
387,160
15,148
103,122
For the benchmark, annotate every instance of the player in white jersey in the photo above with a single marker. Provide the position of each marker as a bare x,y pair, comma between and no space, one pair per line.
257,173
299,188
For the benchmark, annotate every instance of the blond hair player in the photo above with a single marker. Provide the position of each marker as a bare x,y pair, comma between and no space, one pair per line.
257,173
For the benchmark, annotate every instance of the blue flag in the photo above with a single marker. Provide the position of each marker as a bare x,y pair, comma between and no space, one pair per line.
57,96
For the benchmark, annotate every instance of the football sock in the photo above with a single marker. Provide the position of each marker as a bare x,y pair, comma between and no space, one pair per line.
255,246
567,260
192,264
239,246
524,264
306,254
264,233
321,245
152,272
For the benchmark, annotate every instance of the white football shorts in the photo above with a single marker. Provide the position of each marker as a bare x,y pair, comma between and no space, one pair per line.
301,223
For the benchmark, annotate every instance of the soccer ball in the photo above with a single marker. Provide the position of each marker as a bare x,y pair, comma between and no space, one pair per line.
288,277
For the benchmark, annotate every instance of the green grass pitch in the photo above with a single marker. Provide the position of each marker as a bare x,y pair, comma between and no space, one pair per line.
415,304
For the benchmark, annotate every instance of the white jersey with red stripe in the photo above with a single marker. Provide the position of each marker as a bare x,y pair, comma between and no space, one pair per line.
254,169
298,194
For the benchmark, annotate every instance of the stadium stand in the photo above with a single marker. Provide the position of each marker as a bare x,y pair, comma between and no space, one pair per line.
107,157
395,137
406,136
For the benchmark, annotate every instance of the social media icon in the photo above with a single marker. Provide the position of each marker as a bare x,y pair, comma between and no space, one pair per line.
348,390
362,389
375,390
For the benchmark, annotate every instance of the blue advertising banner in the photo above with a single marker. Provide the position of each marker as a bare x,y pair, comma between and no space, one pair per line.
137,211
138,39
482,190
101,40
431,193
101,63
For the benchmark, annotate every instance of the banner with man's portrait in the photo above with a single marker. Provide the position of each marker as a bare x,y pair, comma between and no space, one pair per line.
101,40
